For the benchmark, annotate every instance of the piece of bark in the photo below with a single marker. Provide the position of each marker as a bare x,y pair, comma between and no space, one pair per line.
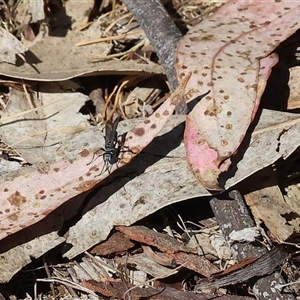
117,289
267,286
116,243
162,34
266,264
171,248
233,214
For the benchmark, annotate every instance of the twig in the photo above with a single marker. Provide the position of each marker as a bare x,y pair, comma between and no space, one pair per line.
162,34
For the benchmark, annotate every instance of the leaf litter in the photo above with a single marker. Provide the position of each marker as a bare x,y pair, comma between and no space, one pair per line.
40,195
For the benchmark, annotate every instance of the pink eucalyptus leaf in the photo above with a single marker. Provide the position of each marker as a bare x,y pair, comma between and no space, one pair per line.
223,53
28,198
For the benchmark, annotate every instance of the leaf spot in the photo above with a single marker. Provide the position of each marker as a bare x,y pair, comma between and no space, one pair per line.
84,153
14,217
146,122
166,113
228,126
157,115
181,75
224,143
16,199
213,110
139,131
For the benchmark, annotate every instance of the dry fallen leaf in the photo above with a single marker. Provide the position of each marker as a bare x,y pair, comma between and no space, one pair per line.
15,259
9,48
223,52
268,205
52,118
294,99
54,60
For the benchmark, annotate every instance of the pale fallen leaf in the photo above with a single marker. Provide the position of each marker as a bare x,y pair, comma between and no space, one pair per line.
294,98
268,205
36,9
37,136
247,234
79,13
54,59
223,52
292,198
15,259
9,48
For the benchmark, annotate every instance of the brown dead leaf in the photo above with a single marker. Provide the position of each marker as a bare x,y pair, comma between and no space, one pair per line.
171,248
116,288
269,206
115,244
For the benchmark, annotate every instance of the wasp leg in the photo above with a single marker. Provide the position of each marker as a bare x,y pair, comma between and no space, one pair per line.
104,168
95,153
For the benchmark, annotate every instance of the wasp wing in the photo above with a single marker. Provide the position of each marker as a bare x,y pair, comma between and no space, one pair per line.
111,133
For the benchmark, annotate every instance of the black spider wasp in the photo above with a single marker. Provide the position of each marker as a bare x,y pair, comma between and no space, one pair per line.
112,147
